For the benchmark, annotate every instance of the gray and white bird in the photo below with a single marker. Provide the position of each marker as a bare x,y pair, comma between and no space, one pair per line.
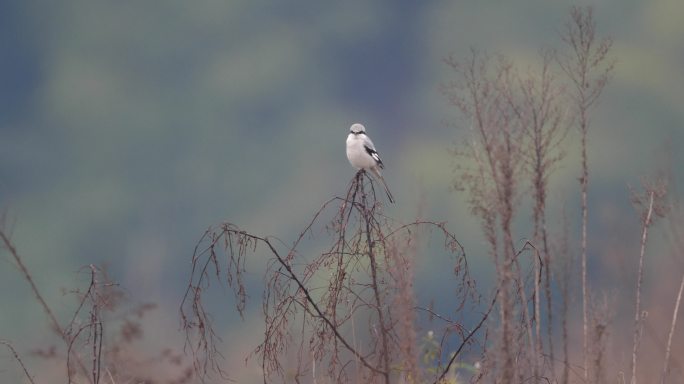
362,154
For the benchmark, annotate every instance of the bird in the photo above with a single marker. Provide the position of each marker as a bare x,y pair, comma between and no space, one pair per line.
362,154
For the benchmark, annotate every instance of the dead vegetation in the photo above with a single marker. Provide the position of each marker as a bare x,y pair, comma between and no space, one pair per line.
348,309
347,312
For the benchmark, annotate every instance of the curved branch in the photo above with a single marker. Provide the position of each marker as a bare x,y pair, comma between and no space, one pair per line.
467,338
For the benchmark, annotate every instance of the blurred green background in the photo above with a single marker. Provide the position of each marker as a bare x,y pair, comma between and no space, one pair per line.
128,127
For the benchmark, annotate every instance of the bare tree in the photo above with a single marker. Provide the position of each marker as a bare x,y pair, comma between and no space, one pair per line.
328,295
518,124
490,162
89,353
536,99
588,65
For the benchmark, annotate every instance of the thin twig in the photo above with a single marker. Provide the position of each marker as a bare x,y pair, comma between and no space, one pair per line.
672,329
48,311
485,316
638,316
367,216
27,276
588,66
18,359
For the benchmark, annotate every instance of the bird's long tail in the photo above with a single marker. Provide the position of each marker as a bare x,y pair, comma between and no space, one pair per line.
384,184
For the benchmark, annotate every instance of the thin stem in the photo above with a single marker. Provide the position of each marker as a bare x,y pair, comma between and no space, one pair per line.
467,338
18,359
48,311
537,310
672,329
27,276
637,315
367,216
584,181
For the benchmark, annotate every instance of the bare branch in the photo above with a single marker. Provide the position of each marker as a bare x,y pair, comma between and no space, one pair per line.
54,324
663,375
588,66
484,318
363,271
18,359
649,204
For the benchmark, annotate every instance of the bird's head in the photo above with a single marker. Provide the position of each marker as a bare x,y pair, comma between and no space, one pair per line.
357,129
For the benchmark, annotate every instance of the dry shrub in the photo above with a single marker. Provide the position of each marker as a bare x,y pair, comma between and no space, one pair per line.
349,308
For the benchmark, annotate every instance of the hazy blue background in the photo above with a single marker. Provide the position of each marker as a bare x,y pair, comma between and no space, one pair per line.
128,127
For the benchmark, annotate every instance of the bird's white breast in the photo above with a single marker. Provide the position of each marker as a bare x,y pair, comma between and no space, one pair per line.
356,153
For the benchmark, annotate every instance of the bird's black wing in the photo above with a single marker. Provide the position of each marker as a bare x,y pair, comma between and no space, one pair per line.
374,154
